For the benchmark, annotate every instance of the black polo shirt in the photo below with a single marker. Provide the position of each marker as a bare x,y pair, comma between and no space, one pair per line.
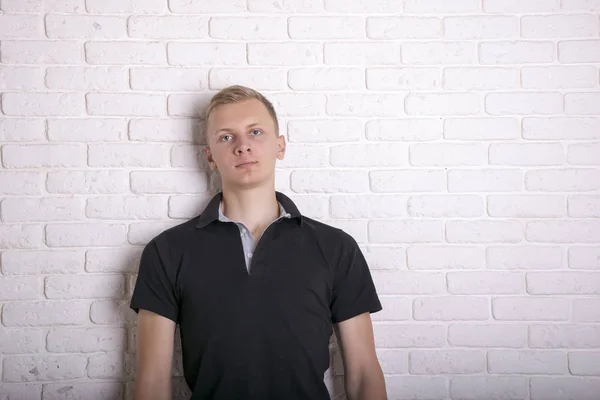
259,335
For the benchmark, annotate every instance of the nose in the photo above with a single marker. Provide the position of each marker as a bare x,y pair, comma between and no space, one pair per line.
242,147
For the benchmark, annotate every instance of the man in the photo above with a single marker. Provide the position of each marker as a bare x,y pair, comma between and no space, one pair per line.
254,285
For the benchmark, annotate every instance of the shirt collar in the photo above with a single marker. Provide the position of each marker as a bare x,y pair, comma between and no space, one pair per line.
212,212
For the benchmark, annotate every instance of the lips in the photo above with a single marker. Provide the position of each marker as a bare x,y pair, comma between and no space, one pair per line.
246,163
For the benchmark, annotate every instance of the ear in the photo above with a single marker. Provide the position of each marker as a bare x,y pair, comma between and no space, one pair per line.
281,146
209,158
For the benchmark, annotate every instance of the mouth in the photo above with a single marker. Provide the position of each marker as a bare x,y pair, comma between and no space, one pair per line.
245,164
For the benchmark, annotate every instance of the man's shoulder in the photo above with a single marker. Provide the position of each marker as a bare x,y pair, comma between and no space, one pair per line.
178,233
328,232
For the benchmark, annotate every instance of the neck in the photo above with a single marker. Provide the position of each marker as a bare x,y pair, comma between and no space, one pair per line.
255,208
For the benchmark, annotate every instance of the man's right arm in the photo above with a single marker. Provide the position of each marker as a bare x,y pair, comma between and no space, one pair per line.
155,342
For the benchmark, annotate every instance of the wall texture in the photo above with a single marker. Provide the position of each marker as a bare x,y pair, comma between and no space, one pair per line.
457,141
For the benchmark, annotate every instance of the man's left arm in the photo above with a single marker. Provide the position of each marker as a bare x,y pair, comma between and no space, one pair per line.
363,375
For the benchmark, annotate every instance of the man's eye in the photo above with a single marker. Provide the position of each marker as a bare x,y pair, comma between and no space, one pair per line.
256,132
225,138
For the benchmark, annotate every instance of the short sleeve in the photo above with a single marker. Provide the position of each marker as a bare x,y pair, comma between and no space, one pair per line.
155,288
354,292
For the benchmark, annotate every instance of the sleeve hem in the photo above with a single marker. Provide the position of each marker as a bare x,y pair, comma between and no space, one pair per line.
351,314
156,310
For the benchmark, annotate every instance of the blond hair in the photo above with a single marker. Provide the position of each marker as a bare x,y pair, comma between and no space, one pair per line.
236,94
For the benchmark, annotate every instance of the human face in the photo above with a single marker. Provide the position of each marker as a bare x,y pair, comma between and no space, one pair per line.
243,144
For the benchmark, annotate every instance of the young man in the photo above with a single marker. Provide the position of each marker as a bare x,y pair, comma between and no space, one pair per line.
254,285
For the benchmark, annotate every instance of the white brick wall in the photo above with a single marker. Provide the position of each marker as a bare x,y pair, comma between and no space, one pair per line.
458,141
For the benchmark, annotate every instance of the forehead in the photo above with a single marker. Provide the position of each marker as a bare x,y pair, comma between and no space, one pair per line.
237,113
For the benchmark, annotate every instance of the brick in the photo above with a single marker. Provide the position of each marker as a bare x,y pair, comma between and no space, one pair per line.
17,262
564,336
485,180
520,6
21,78
433,362
257,78
17,26
87,130
511,336
563,388
402,181
408,283
326,28
167,27
168,182
115,365
440,6
526,206
284,53
404,28
438,53
417,387
559,77
553,128
87,182
475,282
405,231
326,79
484,231
365,105
96,79
579,51
584,154
406,129
304,156
20,236
442,104
329,181
125,53
248,28
21,183
563,231
41,52
207,6
446,154
368,155
85,27
19,209
85,234
83,390
165,130
43,156
22,130
20,288
146,207
526,154
524,257
585,310
206,53
285,6
584,206
554,180
409,335
584,258
44,368
112,260
111,312
121,104
188,105
143,232
516,52
128,155
84,287
21,341
584,363
361,6
488,387
298,105
86,340
361,53
587,5
581,283
483,27
582,103
481,128
451,308
366,206
559,26
444,257
393,361
331,130
403,79
530,309
42,5
523,103
487,78
386,258
189,156
45,313
126,6
43,104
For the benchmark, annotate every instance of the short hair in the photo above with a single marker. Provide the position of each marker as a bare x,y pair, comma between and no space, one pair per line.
236,94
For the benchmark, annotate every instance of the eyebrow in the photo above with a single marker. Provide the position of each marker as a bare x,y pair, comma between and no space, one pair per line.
230,130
